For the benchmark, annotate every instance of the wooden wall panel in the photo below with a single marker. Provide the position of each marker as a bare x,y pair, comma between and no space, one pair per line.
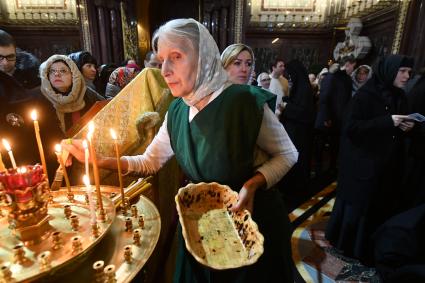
413,42
105,31
312,48
315,47
46,41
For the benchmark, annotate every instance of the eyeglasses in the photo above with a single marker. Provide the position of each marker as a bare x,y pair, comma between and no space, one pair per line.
60,72
265,80
10,58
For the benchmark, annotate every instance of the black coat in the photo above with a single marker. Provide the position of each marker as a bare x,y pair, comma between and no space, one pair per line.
400,247
27,68
335,93
416,99
371,147
371,163
298,119
415,178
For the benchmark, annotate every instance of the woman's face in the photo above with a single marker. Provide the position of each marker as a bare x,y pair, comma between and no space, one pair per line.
60,76
179,65
402,77
240,69
89,71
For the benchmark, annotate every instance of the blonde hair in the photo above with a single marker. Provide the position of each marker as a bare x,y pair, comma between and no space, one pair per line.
232,51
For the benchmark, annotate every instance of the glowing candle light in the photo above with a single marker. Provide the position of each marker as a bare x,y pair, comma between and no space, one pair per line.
86,181
39,144
86,157
94,160
117,154
58,151
9,151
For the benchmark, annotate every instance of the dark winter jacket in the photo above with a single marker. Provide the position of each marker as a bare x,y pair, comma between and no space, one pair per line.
26,72
17,127
335,93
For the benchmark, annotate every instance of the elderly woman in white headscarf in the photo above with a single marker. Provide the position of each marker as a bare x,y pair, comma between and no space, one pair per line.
264,80
215,129
64,86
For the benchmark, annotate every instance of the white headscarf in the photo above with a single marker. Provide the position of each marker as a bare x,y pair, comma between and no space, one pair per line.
72,102
210,74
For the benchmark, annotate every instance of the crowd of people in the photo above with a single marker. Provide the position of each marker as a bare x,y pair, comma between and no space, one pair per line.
258,139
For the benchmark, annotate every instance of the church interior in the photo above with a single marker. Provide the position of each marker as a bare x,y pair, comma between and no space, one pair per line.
352,202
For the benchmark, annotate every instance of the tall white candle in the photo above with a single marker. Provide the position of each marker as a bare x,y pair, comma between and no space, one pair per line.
86,181
39,143
94,160
9,151
117,154
86,157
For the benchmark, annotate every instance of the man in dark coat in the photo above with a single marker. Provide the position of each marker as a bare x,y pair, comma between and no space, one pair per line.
335,93
19,95
20,65
371,159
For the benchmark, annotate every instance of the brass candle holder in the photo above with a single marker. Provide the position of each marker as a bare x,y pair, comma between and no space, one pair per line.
26,195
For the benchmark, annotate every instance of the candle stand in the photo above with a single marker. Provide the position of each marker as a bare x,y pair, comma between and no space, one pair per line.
56,241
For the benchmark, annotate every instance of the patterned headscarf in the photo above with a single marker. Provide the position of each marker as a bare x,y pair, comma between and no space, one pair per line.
210,74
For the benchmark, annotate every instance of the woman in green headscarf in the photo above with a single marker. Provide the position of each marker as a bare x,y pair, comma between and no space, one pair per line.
219,132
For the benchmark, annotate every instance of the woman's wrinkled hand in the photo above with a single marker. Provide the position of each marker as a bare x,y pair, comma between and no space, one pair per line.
247,193
245,200
75,148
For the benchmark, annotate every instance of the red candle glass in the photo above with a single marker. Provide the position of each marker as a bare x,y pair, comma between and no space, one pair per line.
19,181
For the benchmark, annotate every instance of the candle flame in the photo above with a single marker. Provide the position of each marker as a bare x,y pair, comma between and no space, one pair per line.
58,148
86,180
22,170
91,127
6,145
113,134
34,115
85,145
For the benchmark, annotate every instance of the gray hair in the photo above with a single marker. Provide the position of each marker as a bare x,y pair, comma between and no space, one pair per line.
210,75
185,29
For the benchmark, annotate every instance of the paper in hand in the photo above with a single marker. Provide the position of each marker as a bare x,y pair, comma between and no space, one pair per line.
416,117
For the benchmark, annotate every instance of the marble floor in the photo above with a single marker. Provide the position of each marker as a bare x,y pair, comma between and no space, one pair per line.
315,259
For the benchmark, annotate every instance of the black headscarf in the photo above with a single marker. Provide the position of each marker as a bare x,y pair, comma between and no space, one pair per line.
301,101
386,69
82,57
384,73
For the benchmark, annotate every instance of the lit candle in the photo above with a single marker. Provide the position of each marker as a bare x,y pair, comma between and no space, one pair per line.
39,144
9,151
117,153
58,151
86,181
95,168
86,157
